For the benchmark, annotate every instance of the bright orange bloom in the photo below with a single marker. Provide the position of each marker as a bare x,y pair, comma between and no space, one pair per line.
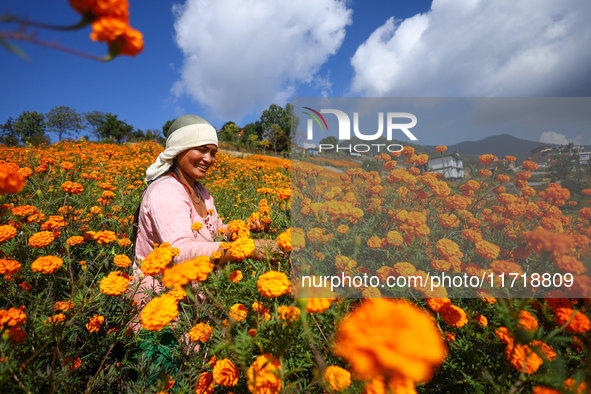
41,239
122,261
272,284
579,323
47,264
225,373
95,323
337,378
115,284
159,312
72,187
200,332
11,181
262,376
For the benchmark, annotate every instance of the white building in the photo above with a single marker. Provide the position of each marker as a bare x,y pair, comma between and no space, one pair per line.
584,157
451,165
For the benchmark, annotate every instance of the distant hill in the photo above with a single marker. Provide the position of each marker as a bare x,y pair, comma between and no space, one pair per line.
498,145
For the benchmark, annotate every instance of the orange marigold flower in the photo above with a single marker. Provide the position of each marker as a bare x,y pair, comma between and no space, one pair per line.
374,242
454,316
441,149
529,165
159,312
47,264
523,358
236,276
579,323
337,378
200,332
14,317
122,261
11,181
284,240
450,336
288,313
263,375
242,248
75,240
438,304
238,312
487,250
272,284
487,159
156,261
318,305
585,213
7,232
225,373
505,267
115,284
482,320
41,239
527,321
408,346
95,323
571,385
196,226
72,187
205,384
65,306
180,274
105,237
448,248
541,240
9,267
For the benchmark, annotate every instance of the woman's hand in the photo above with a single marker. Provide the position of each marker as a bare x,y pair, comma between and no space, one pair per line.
256,226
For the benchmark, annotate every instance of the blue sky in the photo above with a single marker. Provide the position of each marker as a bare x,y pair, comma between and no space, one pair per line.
231,59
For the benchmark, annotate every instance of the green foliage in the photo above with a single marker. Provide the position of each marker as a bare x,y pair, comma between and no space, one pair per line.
561,168
229,132
9,136
94,121
114,128
29,124
64,121
277,123
166,127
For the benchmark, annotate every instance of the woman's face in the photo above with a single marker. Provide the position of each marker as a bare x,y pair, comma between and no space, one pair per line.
195,162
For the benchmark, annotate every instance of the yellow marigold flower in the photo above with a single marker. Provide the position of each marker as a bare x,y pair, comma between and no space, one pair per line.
11,181
9,267
63,306
408,346
116,283
180,274
238,312
95,323
487,250
196,226
337,378
122,261
200,332
236,276
72,187
7,232
262,376
242,248
47,264
41,239
159,312
205,384
284,240
156,261
75,240
104,237
225,373
288,313
272,284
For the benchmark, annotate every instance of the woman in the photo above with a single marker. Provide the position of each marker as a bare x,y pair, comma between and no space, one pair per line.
173,201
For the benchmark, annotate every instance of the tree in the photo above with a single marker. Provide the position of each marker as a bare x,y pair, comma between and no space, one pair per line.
152,134
229,132
29,124
94,121
277,137
114,128
166,127
283,119
8,136
64,121
561,167
252,133
138,134
331,140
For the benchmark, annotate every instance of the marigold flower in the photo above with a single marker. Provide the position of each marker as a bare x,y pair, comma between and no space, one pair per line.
205,384
242,248
448,248
487,250
9,267
115,284
523,358
454,315
263,375
122,261
47,264
225,373
11,181
75,240
441,149
236,276
159,312
200,332
41,239
337,378
542,240
272,284
579,323
527,321
180,274
529,165
284,240
487,159
105,237
438,304
7,232
95,323
72,187
288,313
14,317
64,306
156,261
238,312
196,226
409,345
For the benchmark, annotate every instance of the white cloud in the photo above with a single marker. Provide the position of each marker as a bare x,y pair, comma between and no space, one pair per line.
552,137
480,48
240,56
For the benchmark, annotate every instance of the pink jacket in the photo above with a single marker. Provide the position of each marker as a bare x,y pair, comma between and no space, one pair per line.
166,215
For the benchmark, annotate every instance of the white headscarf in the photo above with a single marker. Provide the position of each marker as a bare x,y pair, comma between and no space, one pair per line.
186,132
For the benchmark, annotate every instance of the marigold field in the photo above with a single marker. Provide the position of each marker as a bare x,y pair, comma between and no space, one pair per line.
70,324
